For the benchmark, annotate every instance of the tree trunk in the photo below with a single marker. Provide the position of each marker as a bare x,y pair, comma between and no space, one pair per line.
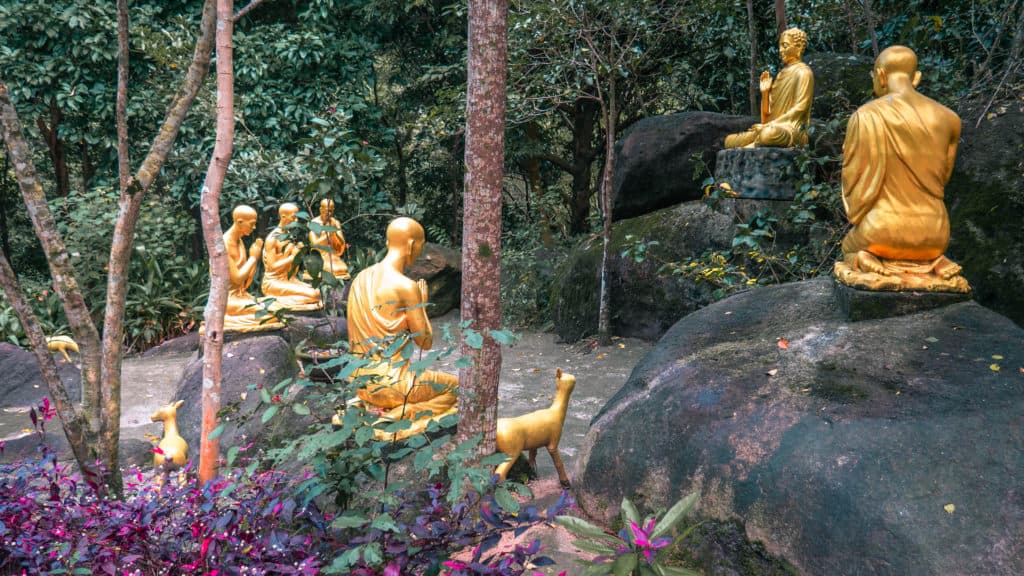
584,121
869,17
61,271
88,170
780,16
5,195
481,236
128,206
403,178
537,184
54,143
213,347
754,89
611,116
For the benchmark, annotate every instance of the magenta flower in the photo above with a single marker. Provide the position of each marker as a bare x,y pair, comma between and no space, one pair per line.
642,539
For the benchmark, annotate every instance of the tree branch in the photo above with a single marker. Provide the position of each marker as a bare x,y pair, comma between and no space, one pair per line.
238,15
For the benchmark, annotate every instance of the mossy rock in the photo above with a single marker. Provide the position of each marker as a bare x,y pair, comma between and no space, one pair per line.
985,197
645,301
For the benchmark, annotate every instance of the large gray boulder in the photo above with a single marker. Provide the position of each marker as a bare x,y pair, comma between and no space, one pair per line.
985,197
891,446
441,267
654,159
21,382
256,360
644,299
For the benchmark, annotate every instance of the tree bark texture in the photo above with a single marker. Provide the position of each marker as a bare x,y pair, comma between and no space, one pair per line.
754,89
61,269
209,453
780,16
129,203
54,143
869,17
481,236
610,113
585,113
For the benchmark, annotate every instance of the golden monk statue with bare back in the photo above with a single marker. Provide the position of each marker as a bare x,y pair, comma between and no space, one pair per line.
384,304
897,157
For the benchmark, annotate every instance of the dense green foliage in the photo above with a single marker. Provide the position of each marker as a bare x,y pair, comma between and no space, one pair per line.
363,101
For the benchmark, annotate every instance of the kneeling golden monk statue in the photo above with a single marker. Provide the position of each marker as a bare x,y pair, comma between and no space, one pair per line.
383,304
785,103
279,280
897,157
240,313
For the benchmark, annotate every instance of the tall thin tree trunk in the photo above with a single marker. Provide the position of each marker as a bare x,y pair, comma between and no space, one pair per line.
780,16
5,195
481,237
611,116
869,17
754,89
58,155
537,184
584,121
209,452
88,170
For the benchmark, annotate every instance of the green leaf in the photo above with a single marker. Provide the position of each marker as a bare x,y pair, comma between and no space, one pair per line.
505,337
674,515
474,339
629,511
677,571
217,431
349,521
300,409
265,395
422,459
581,527
625,564
232,454
594,547
506,500
270,413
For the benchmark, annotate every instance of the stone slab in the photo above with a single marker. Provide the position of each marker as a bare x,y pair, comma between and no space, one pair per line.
856,305
759,173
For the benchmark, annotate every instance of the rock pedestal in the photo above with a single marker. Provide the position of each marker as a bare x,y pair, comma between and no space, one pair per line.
759,173
856,305
891,446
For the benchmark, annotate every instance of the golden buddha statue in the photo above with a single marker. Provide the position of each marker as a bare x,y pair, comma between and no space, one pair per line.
279,281
240,314
382,304
334,240
897,157
785,103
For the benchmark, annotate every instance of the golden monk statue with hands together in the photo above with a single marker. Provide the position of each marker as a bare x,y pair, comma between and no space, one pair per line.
240,314
383,303
279,279
897,157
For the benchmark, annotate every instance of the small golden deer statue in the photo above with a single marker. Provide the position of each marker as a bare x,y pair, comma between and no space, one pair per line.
62,344
540,429
172,451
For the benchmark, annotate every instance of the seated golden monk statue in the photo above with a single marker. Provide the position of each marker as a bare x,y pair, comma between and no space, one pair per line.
240,314
279,280
383,304
785,103
897,157
330,239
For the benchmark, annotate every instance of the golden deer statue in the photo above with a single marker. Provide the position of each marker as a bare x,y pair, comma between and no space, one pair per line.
540,429
62,344
172,451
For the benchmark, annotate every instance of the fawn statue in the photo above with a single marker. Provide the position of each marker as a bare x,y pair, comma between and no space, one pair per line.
542,428
172,451
62,344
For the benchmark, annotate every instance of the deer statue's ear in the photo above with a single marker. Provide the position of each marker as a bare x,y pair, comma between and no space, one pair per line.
178,404
558,373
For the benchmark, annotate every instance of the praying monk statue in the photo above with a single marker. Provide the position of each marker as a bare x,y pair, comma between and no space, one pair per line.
897,157
334,240
384,304
785,103
279,280
240,315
